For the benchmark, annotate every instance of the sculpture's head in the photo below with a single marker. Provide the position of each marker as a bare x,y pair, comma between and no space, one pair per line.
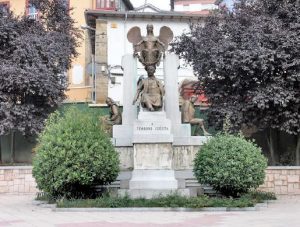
193,98
149,28
109,101
150,69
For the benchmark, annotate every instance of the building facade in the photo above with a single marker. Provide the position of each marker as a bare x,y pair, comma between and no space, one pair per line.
109,44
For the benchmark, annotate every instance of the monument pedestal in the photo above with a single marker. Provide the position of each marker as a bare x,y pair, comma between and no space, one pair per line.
153,172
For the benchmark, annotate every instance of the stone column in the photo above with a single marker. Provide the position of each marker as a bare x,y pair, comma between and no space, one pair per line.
181,132
171,64
123,134
129,66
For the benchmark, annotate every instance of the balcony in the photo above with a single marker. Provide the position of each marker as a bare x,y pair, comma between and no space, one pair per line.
33,16
106,5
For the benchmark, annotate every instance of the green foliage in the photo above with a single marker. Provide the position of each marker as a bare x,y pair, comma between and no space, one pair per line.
174,201
73,155
260,196
230,164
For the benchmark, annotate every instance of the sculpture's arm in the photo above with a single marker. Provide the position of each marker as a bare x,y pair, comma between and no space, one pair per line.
135,51
161,88
139,90
185,112
162,44
115,113
140,42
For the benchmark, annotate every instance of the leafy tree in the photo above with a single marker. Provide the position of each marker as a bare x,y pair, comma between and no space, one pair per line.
248,63
34,58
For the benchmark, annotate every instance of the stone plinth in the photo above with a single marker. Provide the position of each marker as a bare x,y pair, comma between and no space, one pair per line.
153,156
153,179
153,172
152,127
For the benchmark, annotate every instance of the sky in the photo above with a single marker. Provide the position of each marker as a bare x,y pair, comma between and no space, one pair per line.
165,4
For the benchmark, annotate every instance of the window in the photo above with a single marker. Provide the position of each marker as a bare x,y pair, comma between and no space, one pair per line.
106,4
31,11
186,7
4,7
66,3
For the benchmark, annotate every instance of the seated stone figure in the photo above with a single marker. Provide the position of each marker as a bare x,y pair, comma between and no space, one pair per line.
114,117
188,116
150,91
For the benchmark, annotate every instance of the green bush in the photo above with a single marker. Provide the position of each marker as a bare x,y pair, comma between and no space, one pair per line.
73,155
230,164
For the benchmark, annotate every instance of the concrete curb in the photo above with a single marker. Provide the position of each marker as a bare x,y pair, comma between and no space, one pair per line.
257,207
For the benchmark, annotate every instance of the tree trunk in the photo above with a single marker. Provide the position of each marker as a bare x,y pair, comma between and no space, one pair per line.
298,151
272,144
12,147
0,150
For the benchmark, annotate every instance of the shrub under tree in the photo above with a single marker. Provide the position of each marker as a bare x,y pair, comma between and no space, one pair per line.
73,155
230,164
35,56
248,64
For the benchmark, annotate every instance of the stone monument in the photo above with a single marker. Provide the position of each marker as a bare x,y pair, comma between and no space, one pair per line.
153,139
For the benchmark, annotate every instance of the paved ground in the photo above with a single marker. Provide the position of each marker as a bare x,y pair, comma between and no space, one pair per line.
20,211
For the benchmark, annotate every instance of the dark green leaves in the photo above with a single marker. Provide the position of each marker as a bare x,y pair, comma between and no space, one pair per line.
34,57
248,63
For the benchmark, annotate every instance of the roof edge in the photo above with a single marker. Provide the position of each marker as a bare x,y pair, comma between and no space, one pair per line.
150,15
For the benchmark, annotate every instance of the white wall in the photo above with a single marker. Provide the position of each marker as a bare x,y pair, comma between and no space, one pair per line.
118,45
195,7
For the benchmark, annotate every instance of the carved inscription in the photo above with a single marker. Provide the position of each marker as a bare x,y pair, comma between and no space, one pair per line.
152,128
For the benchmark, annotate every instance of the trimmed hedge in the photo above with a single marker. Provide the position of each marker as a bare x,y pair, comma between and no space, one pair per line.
73,155
230,164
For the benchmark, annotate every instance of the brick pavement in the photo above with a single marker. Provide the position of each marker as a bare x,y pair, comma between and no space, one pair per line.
20,211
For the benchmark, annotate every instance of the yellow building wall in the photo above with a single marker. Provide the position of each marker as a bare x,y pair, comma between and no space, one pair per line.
79,94
79,86
80,90
17,6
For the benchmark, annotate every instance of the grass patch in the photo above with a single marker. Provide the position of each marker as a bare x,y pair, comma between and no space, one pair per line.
41,196
173,201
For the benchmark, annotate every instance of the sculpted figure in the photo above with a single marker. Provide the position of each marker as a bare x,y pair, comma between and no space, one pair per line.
114,117
150,91
150,47
188,115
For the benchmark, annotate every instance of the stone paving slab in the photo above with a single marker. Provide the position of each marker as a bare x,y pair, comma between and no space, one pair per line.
22,211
